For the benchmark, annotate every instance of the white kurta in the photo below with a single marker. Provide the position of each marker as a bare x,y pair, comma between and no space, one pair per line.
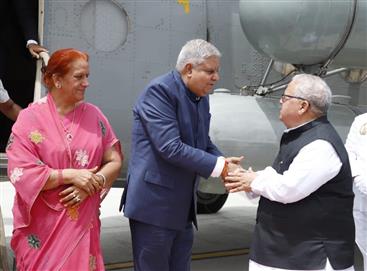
4,97
356,146
314,165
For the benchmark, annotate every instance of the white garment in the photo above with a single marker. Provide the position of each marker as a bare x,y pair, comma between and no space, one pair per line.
4,96
218,167
253,266
356,146
314,165
29,42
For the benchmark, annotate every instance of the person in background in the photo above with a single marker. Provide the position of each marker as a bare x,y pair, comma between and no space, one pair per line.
7,105
63,156
356,145
305,213
27,16
19,42
170,150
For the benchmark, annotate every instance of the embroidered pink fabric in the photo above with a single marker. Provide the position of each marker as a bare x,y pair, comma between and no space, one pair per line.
46,235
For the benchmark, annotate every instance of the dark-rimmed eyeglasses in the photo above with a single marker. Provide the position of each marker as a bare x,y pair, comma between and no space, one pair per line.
286,97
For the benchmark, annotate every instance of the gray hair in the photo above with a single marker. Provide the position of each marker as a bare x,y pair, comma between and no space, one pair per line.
315,90
195,52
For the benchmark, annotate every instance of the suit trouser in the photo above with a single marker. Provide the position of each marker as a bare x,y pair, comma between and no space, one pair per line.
161,249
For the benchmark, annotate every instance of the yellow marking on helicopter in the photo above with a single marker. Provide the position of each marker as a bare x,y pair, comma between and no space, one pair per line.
185,4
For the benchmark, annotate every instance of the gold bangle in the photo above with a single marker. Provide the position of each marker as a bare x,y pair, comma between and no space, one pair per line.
103,178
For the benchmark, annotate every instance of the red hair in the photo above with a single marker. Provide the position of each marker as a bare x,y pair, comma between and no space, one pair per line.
59,64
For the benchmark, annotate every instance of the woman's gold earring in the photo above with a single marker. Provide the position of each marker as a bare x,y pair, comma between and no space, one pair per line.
58,85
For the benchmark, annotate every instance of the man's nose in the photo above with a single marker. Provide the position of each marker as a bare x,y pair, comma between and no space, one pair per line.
216,76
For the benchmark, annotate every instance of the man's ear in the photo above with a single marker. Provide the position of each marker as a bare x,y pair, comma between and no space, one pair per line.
304,106
188,70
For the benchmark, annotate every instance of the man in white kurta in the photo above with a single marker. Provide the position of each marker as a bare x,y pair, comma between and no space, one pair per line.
356,146
304,219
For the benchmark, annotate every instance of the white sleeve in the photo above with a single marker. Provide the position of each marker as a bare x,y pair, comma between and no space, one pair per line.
314,165
4,96
29,42
218,166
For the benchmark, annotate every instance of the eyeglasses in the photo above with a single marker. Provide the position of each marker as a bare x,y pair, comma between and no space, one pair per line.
286,97
209,72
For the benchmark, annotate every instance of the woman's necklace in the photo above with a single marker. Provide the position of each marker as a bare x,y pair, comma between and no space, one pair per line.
68,132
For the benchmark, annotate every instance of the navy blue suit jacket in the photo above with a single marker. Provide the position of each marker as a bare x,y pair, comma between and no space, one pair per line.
170,149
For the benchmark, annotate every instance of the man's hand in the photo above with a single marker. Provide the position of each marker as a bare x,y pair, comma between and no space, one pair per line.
232,168
232,165
240,180
234,159
35,50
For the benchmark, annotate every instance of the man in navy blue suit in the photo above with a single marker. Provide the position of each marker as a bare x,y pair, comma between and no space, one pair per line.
171,148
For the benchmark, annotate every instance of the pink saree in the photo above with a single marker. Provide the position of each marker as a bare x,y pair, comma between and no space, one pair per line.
48,236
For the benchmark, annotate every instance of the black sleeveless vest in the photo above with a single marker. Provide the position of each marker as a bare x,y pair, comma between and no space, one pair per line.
301,235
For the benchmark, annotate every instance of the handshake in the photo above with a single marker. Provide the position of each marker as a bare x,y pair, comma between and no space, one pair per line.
235,178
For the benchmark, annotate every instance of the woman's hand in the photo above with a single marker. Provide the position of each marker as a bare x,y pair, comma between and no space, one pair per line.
72,196
84,179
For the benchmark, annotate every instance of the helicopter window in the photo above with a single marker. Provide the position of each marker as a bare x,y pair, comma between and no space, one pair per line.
99,16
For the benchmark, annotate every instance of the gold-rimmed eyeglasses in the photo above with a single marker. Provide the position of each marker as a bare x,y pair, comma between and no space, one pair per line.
286,97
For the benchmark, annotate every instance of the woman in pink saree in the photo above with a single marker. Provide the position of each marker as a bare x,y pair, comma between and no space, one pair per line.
63,157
